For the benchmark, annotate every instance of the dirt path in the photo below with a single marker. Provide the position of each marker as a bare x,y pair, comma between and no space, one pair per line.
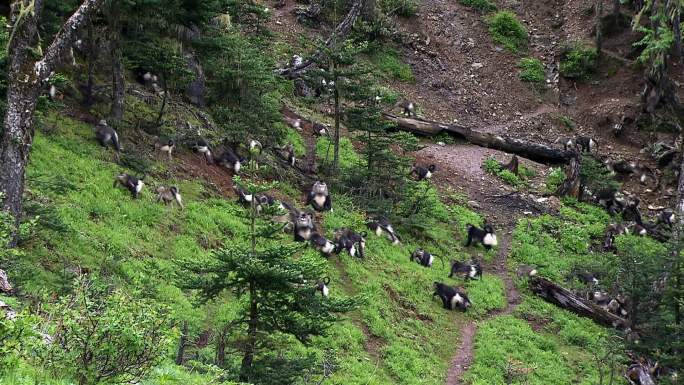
459,167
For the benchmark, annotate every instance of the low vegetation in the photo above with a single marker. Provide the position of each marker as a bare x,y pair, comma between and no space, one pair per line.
480,5
531,70
492,166
508,31
578,62
389,63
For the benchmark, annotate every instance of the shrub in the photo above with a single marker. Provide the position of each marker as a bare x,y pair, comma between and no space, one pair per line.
531,70
595,176
507,30
405,8
388,62
480,5
578,62
555,179
493,167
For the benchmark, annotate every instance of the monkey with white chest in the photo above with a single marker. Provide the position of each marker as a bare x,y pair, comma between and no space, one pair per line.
202,146
422,172
131,183
354,243
230,160
422,257
471,270
322,244
319,197
165,145
382,225
303,227
168,195
484,236
322,286
452,298
107,136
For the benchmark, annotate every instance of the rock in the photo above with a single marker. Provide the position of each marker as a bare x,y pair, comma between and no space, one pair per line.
474,204
197,87
477,65
5,286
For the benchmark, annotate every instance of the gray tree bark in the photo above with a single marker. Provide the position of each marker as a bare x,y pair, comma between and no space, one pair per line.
26,79
118,81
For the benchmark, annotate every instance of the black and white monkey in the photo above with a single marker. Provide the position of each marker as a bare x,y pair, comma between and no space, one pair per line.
666,217
168,195
583,143
452,297
408,108
303,227
287,152
322,244
382,225
472,270
319,197
484,236
612,231
230,160
353,242
165,145
255,149
202,146
322,286
423,257
320,129
423,172
131,183
244,196
106,135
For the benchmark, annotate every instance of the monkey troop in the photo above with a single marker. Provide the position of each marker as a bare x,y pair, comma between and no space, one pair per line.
168,195
422,257
484,236
582,143
131,183
319,197
382,225
452,297
422,172
472,270
107,136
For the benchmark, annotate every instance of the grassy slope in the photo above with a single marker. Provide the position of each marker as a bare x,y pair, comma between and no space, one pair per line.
400,335
540,343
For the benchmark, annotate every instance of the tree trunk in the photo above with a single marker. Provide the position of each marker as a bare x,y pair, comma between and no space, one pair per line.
616,9
91,58
599,30
26,79
336,151
567,300
676,29
166,95
118,85
339,33
221,348
250,345
180,354
534,151
571,186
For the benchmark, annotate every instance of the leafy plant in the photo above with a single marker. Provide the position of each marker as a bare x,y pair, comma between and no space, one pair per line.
404,8
507,30
531,70
595,176
388,62
480,5
555,179
578,62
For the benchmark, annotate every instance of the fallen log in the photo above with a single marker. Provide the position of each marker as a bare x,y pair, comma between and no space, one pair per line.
341,30
567,300
535,151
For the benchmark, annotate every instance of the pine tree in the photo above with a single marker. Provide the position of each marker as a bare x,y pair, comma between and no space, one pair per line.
277,288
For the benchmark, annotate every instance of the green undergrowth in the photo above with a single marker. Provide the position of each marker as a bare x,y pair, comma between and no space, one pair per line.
539,343
508,31
531,70
84,225
480,5
390,66
492,166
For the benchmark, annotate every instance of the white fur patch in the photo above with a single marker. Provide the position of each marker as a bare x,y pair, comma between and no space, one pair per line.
490,240
533,272
411,106
643,178
248,198
672,218
237,166
306,234
320,200
595,281
473,272
430,260
139,186
328,248
643,232
428,175
203,149
378,231
352,251
166,148
326,291
455,300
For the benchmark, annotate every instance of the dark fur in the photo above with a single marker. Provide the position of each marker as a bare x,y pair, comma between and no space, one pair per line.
385,226
129,182
446,293
465,268
319,189
476,235
108,136
422,257
346,239
421,172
